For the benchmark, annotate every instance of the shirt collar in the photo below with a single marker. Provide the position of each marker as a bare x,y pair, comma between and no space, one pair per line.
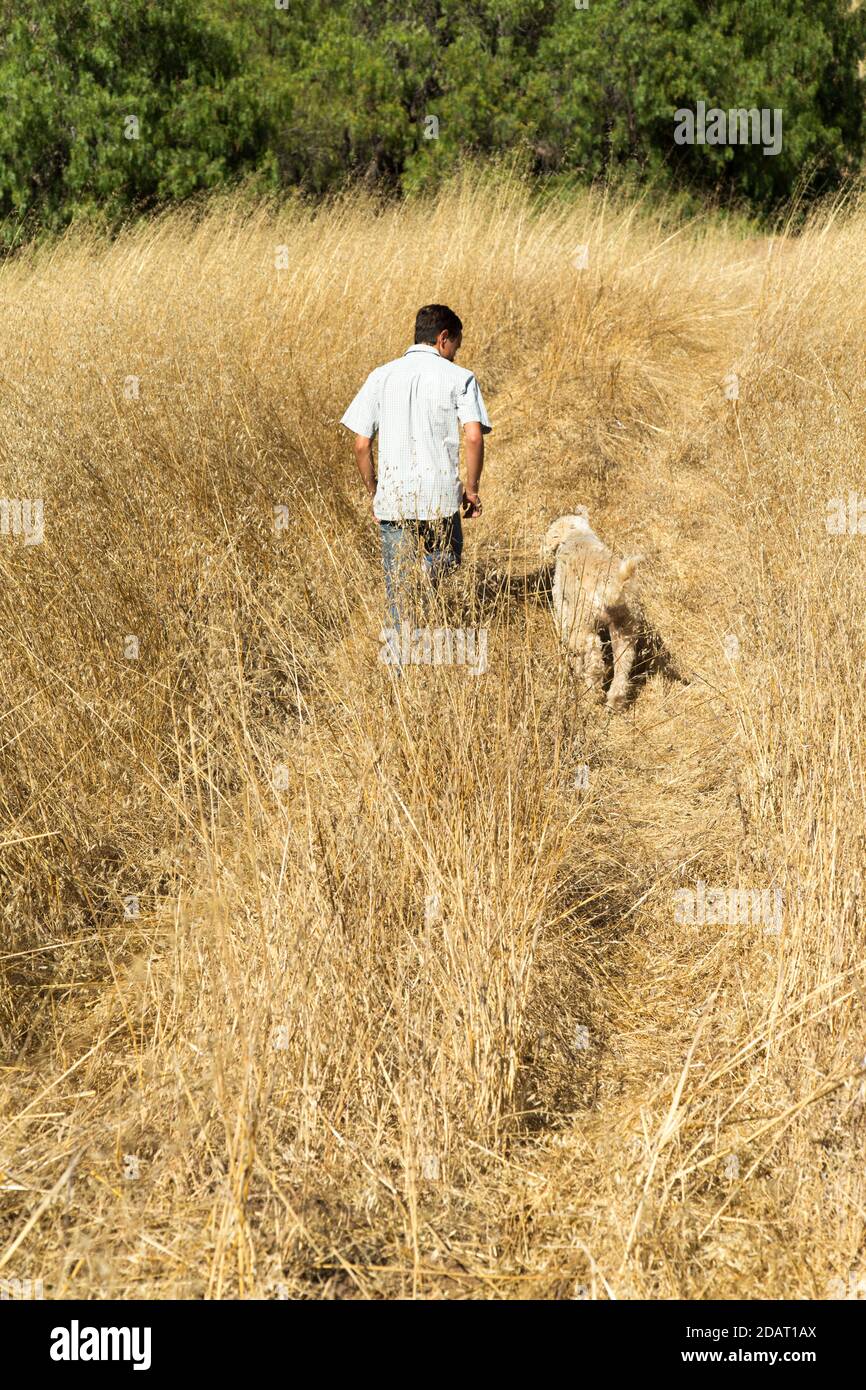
420,347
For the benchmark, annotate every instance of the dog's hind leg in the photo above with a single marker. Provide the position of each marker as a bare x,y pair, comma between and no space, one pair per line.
593,664
623,638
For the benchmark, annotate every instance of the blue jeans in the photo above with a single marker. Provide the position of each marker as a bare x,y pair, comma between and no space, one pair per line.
441,547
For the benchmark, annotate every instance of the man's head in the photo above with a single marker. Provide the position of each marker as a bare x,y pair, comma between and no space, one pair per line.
439,326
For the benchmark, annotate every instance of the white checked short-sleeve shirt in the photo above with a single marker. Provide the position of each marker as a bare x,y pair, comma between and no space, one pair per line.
417,405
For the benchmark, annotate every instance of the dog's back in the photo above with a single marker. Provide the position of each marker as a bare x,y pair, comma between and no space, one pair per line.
589,584
589,581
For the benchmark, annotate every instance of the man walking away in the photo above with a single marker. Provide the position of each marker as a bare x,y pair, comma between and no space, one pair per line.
417,405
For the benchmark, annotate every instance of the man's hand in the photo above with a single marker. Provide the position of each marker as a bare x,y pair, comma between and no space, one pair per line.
471,505
363,456
364,460
474,437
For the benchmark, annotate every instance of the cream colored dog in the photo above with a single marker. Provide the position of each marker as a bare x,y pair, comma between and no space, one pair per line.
590,594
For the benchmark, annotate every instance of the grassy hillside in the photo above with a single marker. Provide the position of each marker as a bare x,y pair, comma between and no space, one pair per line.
320,983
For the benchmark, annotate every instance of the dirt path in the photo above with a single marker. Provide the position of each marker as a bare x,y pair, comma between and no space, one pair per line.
670,793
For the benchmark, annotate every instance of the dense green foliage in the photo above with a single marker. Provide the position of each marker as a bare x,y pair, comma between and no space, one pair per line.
316,93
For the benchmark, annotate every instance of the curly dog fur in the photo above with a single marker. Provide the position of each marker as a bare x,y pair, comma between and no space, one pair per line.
590,596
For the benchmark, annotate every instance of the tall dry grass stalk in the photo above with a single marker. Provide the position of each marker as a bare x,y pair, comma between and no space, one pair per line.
317,982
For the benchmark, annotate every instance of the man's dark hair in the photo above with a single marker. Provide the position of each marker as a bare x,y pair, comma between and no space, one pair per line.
430,321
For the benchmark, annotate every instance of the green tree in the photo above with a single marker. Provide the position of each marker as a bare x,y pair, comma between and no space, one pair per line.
119,104
397,92
609,80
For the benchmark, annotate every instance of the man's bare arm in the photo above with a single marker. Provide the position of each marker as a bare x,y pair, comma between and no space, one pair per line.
364,460
474,464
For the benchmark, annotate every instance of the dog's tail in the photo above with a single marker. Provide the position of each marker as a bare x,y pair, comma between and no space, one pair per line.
628,566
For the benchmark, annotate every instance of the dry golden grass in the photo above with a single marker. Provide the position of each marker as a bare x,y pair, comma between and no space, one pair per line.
404,1012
